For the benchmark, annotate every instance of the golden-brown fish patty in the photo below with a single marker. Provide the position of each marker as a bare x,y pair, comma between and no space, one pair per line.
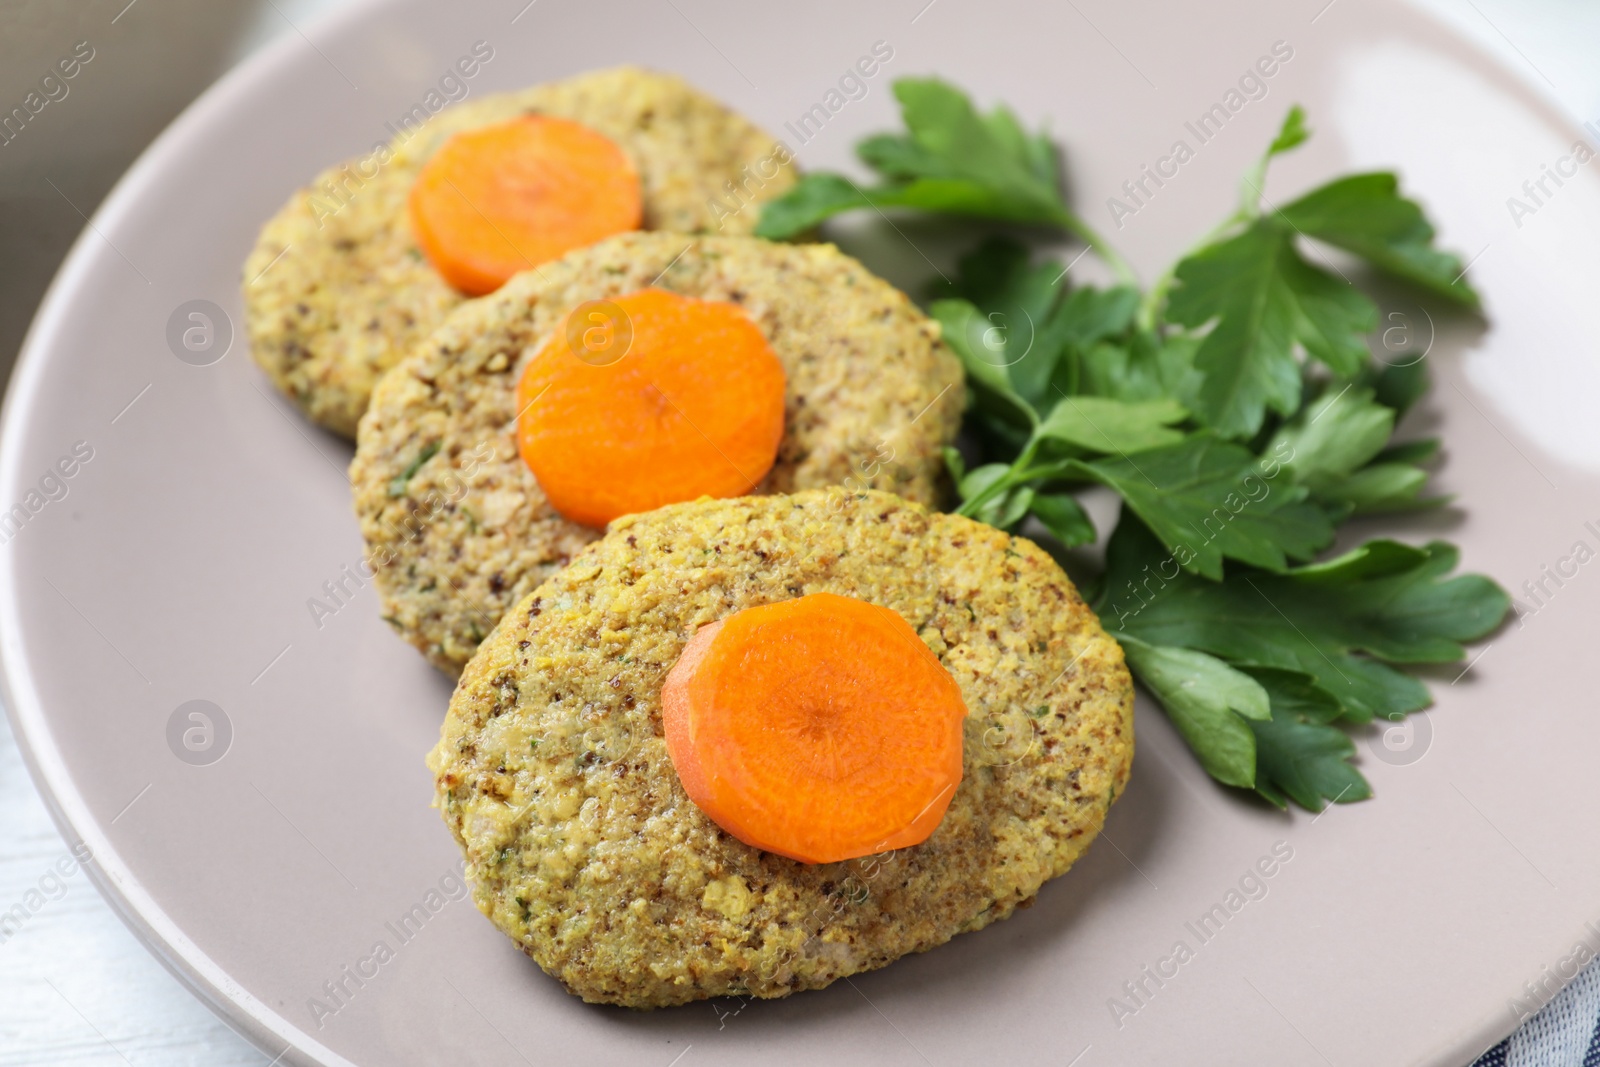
336,290
581,844
457,528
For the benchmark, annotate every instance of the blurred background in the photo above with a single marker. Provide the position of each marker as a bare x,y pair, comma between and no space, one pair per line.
75,986
150,59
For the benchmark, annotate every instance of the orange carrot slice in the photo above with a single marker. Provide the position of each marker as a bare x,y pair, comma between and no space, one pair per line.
504,198
646,400
820,728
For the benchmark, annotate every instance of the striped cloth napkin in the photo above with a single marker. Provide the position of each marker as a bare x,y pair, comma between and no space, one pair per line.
1565,1032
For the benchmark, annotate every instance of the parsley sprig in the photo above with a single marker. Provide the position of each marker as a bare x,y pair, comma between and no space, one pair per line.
1233,405
952,160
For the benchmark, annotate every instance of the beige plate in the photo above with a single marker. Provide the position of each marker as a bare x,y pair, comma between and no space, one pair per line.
179,565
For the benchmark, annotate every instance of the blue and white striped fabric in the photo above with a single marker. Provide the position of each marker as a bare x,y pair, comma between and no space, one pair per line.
1565,1032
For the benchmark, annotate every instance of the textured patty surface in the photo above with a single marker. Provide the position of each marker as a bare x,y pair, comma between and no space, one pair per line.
581,844
336,290
872,396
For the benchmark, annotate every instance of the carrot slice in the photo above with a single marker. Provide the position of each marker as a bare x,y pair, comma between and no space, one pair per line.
646,400
820,728
504,198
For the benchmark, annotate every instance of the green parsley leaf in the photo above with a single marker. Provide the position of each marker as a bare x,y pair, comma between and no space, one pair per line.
1024,321
1014,325
998,273
1292,134
1295,693
1064,517
978,479
1090,314
1002,510
1101,424
817,197
1380,488
1333,436
1006,511
813,198
1419,451
1306,762
949,139
1207,499
1146,367
1399,385
1340,622
953,160
1264,300
1332,447
969,335
1365,214
1208,701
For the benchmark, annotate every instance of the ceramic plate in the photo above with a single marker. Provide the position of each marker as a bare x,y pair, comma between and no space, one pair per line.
267,848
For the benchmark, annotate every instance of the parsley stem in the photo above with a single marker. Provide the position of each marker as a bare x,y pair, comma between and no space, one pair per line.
1102,248
1019,474
1249,210
1150,305
1002,484
1250,189
1152,300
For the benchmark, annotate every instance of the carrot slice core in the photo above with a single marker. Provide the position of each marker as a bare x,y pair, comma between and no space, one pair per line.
504,198
820,728
646,400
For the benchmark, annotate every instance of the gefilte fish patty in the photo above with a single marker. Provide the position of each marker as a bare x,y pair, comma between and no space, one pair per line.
581,844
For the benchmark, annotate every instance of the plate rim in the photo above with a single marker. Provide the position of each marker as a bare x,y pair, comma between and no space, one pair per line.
210,983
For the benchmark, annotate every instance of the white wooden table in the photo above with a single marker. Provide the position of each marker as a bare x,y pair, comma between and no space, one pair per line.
77,988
